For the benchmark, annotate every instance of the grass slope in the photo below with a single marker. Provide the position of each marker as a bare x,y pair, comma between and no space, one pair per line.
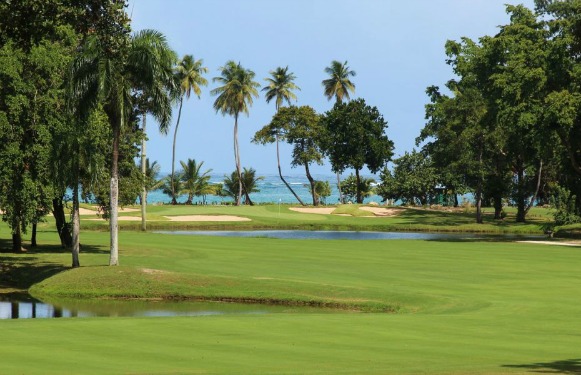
462,307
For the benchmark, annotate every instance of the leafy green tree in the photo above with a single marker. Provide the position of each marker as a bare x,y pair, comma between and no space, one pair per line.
195,182
301,128
235,96
31,101
249,184
414,180
338,86
107,71
514,80
280,87
355,137
189,77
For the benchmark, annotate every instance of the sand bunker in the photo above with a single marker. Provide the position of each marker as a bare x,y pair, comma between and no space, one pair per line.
207,218
313,210
86,211
381,211
122,218
377,211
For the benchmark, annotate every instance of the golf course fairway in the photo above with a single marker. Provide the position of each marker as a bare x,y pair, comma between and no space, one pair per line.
401,307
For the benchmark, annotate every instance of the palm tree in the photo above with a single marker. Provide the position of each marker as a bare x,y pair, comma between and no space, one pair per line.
280,87
169,186
195,183
151,177
249,183
100,76
235,97
156,99
338,86
188,76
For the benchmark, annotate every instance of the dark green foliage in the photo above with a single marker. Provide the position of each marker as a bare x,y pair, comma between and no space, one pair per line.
249,185
564,204
351,189
354,137
300,127
195,183
413,181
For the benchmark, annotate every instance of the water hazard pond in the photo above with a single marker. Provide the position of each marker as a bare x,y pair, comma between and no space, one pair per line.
25,307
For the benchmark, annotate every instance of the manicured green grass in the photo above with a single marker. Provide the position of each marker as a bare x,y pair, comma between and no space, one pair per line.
460,308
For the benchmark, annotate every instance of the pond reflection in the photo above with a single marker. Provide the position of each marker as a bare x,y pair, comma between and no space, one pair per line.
25,307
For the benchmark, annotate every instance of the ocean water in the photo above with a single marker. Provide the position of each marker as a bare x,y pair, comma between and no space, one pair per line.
272,190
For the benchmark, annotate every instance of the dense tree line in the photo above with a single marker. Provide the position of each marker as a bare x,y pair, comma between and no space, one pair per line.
507,127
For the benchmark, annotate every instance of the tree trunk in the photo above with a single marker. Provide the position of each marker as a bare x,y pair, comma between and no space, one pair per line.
17,240
76,222
58,211
456,200
114,224
339,188
173,157
280,173
520,194
14,310
33,236
312,182
237,159
479,203
534,197
497,206
358,187
144,173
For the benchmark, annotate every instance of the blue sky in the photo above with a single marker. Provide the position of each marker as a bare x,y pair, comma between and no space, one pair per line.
395,47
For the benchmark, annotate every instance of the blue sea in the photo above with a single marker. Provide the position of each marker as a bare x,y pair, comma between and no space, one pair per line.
272,190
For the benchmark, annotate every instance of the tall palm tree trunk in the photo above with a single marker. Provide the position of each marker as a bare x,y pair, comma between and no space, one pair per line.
280,174
358,187
144,173
75,246
339,188
114,224
237,159
76,223
173,157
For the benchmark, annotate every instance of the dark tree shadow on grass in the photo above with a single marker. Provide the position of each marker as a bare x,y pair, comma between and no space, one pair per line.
23,271
568,366
19,271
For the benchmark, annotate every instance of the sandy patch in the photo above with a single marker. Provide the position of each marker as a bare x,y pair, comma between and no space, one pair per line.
207,218
122,218
381,211
551,243
86,211
152,271
313,210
